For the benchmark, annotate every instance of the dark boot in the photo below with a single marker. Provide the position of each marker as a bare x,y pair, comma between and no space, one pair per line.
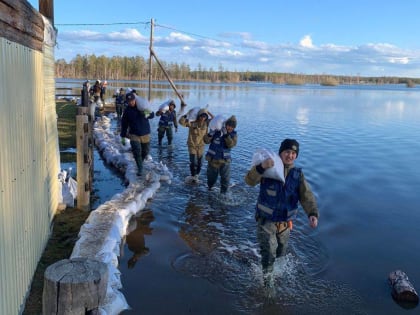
192,169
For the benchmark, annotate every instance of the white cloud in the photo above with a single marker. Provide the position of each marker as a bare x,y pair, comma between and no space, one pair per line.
306,42
241,53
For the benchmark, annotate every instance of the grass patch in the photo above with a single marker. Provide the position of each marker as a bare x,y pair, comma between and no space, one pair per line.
66,125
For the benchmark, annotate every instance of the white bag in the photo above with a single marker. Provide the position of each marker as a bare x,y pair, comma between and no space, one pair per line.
275,172
164,107
217,122
192,114
143,104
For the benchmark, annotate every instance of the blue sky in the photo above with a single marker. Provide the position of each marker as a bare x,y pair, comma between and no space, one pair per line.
357,37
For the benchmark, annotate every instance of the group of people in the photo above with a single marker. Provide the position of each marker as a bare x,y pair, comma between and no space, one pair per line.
135,126
277,201
98,90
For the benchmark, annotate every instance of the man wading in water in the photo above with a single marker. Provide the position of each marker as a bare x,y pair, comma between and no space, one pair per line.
278,203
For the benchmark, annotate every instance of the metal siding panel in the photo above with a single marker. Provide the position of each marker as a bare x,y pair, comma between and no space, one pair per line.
28,167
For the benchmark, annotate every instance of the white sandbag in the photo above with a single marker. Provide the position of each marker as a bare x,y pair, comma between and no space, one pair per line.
143,104
217,122
275,172
192,113
164,107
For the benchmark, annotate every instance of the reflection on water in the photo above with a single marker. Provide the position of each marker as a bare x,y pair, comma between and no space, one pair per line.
138,227
359,152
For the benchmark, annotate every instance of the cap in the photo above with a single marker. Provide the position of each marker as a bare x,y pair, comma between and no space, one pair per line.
130,97
289,144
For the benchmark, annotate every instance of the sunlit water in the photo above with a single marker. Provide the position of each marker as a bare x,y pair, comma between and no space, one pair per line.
360,153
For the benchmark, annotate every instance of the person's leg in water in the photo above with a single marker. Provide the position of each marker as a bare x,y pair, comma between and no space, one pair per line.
145,149
193,163
212,174
161,134
136,148
198,166
169,134
224,177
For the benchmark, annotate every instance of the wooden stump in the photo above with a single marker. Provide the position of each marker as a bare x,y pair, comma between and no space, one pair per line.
74,286
402,289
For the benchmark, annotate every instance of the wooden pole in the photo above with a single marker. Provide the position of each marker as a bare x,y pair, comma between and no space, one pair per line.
150,59
83,162
169,79
74,286
46,8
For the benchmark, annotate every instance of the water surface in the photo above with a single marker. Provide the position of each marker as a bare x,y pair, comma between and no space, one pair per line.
360,153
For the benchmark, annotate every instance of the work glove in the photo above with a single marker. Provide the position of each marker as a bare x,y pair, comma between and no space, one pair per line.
152,114
123,141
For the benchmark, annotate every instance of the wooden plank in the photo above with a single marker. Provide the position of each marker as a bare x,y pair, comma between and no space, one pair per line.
21,23
46,8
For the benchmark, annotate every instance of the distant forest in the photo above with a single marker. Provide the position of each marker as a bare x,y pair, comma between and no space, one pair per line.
137,68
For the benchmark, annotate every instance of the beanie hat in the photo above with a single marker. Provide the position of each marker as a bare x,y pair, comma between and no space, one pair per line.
289,144
130,97
231,121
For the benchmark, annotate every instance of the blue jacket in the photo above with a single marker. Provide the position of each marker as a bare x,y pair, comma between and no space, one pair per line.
120,99
168,118
135,122
278,202
218,149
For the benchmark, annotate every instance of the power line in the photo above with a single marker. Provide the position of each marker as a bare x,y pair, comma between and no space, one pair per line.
103,24
137,23
188,33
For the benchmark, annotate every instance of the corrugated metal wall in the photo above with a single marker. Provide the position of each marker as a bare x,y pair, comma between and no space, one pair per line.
29,165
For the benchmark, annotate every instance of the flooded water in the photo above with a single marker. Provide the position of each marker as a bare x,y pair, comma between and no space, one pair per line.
193,252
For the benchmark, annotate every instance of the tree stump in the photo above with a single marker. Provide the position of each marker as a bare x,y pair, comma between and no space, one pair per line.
402,289
74,286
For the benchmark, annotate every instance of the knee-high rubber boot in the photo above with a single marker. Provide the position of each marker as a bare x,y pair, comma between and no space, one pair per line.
192,169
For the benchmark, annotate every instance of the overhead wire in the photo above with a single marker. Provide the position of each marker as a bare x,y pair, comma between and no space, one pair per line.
137,23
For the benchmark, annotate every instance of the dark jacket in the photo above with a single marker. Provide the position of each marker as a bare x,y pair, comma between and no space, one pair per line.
167,118
135,122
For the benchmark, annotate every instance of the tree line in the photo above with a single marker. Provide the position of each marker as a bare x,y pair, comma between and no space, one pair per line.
137,68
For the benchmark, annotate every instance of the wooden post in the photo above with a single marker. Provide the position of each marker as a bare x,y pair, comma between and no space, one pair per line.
46,8
150,60
74,286
167,77
85,94
83,162
402,289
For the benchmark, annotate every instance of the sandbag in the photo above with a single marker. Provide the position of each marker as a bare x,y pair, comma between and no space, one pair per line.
143,104
275,172
164,107
192,113
217,122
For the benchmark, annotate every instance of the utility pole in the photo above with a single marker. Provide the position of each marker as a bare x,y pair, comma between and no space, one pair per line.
150,60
